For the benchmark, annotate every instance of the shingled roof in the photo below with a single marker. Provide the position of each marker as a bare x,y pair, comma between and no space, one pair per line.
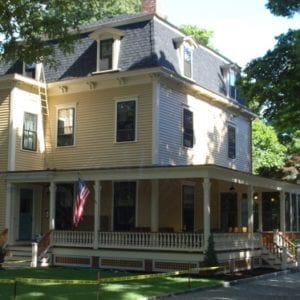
148,41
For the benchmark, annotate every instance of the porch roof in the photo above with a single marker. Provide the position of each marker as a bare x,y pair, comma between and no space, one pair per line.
150,173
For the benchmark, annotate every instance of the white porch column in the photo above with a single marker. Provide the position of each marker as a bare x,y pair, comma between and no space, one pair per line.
52,190
250,214
282,211
97,211
206,211
154,206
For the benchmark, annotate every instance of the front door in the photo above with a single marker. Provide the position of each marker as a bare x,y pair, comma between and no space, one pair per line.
25,216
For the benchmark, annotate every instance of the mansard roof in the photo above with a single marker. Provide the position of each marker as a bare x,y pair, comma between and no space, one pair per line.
147,41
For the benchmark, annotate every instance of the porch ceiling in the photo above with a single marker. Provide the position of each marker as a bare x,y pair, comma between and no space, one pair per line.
151,172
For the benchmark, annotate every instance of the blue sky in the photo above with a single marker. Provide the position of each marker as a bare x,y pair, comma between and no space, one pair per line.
243,29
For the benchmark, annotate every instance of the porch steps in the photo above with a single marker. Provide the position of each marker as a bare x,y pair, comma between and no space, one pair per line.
18,257
272,260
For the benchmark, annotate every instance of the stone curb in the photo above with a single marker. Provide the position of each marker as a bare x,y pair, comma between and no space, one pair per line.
225,284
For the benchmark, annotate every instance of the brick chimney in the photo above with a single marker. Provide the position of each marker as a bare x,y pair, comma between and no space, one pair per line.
153,7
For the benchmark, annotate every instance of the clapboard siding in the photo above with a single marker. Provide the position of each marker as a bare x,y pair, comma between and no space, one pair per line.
27,101
4,124
4,128
210,133
95,130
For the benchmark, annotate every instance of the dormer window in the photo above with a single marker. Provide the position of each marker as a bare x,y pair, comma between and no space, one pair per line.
29,70
108,48
230,73
185,47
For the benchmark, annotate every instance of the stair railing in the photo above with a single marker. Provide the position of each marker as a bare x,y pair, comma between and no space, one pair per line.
44,244
269,244
3,237
289,245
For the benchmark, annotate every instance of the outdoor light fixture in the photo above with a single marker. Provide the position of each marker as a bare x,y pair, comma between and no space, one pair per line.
255,197
232,189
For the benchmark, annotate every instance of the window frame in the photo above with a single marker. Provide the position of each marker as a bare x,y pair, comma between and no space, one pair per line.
231,153
34,132
183,186
133,207
65,107
123,100
184,129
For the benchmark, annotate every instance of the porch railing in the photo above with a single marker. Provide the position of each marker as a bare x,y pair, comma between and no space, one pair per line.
152,241
73,238
236,241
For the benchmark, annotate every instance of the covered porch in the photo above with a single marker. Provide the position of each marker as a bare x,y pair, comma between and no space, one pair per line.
150,210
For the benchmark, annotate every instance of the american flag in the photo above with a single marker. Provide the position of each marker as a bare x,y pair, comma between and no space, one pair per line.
81,198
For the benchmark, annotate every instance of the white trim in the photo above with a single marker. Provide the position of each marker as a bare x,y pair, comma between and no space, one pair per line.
60,107
126,99
37,131
11,161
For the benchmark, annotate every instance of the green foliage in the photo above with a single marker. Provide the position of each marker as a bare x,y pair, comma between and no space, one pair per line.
271,83
26,26
201,35
268,153
285,8
210,256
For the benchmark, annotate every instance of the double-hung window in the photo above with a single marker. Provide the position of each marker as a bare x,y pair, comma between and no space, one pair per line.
187,60
126,121
65,126
106,54
188,128
231,141
29,141
231,85
188,199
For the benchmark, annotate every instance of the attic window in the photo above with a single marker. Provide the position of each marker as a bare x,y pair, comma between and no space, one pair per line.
108,48
29,70
185,47
230,73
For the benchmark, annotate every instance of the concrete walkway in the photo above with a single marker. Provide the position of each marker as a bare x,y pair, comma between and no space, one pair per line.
279,286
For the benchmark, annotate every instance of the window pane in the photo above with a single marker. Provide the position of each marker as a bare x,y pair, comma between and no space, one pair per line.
126,121
188,128
106,49
65,127
30,132
124,205
232,89
231,142
187,61
188,195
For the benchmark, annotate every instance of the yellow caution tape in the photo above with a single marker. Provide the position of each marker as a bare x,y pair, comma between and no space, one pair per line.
107,280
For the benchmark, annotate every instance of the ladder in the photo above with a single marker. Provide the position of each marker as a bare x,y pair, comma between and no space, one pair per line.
43,92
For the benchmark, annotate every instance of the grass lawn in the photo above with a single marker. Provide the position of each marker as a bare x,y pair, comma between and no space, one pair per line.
127,290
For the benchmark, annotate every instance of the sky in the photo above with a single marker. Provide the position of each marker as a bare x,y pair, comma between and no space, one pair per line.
243,29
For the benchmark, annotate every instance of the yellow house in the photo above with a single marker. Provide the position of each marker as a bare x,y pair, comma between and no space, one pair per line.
153,124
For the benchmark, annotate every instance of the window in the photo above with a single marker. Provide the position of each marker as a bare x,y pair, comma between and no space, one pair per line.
108,48
188,196
185,47
187,60
65,126
188,128
126,121
29,132
231,85
29,70
229,211
124,205
106,54
231,142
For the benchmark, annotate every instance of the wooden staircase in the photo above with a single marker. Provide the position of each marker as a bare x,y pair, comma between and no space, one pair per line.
278,251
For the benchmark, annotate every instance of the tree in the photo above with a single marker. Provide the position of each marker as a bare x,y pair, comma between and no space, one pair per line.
285,8
27,26
268,153
271,84
201,35
210,256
